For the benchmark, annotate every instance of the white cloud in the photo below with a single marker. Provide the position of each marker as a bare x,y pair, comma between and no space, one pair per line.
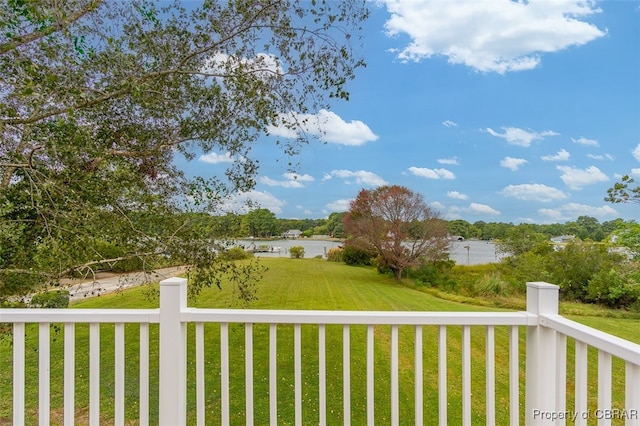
482,209
342,205
601,157
454,161
437,205
513,163
576,178
301,178
456,212
456,195
562,155
584,141
240,202
449,123
571,211
327,126
283,183
361,177
553,214
520,137
214,158
634,172
636,152
292,180
263,66
490,35
533,192
432,173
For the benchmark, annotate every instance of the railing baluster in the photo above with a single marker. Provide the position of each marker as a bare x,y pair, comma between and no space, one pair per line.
604,385
144,374
418,392
581,382
322,374
346,374
18,373
466,375
490,367
395,400
69,373
224,372
94,373
442,376
248,375
561,375
119,374
514,377
370,375
297,372
44,372
273,378
200,373
632,394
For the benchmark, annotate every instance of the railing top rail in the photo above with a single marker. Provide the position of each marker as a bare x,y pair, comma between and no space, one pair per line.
80,315
614,345
356,317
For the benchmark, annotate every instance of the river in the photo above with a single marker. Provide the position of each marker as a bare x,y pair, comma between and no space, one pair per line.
471,252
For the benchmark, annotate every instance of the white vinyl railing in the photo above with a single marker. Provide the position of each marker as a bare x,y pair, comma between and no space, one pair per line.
544,391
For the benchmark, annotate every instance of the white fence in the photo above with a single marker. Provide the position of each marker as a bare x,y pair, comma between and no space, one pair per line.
544,391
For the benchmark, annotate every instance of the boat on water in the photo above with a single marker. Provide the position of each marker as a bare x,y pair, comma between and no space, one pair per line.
264,248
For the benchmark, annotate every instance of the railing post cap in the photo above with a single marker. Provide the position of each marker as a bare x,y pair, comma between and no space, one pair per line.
542,285
173,281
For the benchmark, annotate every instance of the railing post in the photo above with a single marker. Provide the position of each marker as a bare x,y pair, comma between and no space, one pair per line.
540,405
173,366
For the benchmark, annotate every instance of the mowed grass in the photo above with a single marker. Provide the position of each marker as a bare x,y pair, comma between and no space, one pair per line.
298,284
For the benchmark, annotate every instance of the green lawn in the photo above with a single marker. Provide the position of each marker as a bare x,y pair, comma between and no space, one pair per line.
297,284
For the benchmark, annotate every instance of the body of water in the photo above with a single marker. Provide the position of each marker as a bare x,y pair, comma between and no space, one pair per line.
472,252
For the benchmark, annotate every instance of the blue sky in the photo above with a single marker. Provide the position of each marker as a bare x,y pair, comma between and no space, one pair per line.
493,110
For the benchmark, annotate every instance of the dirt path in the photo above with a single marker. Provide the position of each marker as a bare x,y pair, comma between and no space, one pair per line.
106,282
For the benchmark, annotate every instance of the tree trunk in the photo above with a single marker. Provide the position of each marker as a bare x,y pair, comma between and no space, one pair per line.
397,273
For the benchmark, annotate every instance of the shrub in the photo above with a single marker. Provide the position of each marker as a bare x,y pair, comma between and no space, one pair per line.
296,252
492,285
237,253
50,299
574,266
527,267
434,274
335,255
356,256
8,304
612,289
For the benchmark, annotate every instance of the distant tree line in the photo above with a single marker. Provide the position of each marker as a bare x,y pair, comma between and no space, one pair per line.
584,227
263,223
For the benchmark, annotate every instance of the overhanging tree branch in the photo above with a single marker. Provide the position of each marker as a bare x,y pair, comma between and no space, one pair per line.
19,41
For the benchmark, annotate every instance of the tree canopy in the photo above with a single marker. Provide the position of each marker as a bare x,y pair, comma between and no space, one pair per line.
98,98
397,225
624,191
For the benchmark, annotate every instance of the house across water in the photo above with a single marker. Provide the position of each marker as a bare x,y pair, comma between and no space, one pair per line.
292,233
